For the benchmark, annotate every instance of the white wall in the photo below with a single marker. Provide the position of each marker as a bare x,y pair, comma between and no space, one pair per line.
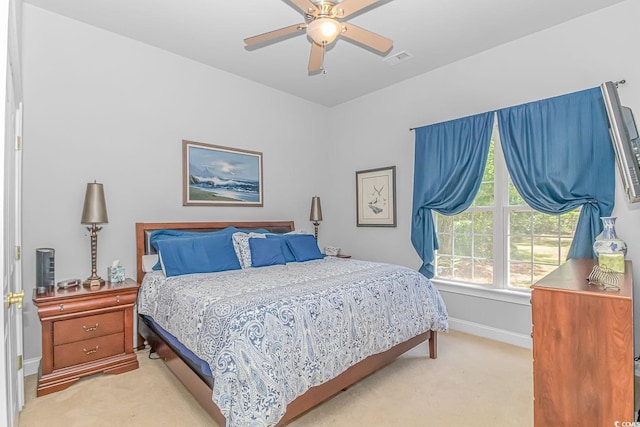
103,107
99,106
373,131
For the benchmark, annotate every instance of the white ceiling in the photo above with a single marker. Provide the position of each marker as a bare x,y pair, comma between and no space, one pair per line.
436,33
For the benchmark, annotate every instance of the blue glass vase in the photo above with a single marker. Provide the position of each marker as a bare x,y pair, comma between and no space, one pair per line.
608,241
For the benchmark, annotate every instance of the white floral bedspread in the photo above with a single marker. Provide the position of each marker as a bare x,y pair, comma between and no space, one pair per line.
271,333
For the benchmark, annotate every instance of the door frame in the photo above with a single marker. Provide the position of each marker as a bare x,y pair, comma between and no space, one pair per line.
12,373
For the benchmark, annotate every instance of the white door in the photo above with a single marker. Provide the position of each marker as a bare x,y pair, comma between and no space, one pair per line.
12,283
11,376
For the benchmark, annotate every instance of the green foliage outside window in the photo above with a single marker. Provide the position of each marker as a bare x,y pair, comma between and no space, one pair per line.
537,243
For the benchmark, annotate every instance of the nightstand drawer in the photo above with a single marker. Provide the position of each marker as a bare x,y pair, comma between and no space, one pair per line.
83,328
88,350
85,303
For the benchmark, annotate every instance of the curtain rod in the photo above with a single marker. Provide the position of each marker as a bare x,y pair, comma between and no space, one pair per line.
618,83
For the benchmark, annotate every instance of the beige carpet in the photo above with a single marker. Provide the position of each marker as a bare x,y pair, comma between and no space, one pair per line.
474,382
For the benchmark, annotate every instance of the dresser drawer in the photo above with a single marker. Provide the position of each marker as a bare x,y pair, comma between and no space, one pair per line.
66,331
79,352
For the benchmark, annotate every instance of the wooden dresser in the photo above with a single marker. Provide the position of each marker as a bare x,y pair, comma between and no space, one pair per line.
85,331
583,369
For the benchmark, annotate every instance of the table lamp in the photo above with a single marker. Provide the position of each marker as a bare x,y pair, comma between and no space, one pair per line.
316,213
94,213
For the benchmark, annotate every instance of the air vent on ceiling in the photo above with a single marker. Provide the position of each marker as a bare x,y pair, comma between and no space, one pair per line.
398,58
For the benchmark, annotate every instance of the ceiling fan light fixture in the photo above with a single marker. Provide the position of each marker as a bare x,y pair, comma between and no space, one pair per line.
324,22
323,30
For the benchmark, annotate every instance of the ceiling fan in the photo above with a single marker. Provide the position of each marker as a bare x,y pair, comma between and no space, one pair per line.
323,24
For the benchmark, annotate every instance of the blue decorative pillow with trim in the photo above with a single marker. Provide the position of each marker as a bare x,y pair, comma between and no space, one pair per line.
200,254
265,252
288,255
241,245
304,247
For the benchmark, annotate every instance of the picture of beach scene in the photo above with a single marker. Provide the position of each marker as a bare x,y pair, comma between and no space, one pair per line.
216,175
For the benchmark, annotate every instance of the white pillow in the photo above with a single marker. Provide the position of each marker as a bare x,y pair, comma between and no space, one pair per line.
298,232
241,245
148,261
164,271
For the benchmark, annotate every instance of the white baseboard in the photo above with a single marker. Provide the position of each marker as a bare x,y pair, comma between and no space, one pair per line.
31,366
490,332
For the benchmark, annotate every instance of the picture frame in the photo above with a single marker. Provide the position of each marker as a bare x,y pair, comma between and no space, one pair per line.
376,197
214,175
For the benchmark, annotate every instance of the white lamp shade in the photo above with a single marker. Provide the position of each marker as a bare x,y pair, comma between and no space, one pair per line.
95,208
323,30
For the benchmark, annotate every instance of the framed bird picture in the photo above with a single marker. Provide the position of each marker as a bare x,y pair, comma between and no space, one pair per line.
376,197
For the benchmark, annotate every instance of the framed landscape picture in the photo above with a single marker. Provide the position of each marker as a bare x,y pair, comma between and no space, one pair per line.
220,176
376,197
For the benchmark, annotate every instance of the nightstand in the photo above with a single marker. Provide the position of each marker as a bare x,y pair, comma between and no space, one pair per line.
85,331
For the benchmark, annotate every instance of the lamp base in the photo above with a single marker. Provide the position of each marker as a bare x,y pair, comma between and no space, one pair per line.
93,282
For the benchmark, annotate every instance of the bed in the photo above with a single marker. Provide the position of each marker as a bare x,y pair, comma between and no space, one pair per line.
282,354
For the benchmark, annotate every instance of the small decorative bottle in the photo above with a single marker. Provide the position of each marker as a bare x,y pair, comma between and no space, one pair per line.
608,241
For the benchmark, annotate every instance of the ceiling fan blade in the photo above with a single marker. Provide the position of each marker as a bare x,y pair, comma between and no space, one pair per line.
305,5
273,35
316,58
367,38
349,7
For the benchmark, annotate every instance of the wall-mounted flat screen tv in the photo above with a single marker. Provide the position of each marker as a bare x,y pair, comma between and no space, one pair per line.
624,137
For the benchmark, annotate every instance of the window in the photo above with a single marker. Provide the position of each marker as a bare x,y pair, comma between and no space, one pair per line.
499,241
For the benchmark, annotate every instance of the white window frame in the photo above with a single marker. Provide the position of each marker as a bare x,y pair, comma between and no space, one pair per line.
500,289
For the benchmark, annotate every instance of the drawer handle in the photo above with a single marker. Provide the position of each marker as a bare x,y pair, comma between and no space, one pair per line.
61,307
88,352
118,298
91,328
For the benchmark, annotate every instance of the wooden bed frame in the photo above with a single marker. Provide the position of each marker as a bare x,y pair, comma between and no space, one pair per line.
201,390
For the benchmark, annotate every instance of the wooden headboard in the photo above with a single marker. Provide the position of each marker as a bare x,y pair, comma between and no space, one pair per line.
144,230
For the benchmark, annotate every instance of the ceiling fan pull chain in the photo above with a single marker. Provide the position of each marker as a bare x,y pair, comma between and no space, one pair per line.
324,49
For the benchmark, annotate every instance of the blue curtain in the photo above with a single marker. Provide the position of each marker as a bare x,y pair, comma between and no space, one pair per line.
559,155
450,158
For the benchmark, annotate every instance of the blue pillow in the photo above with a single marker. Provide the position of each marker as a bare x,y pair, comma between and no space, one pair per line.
158,235
288,255
265,252
200,254
304,247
